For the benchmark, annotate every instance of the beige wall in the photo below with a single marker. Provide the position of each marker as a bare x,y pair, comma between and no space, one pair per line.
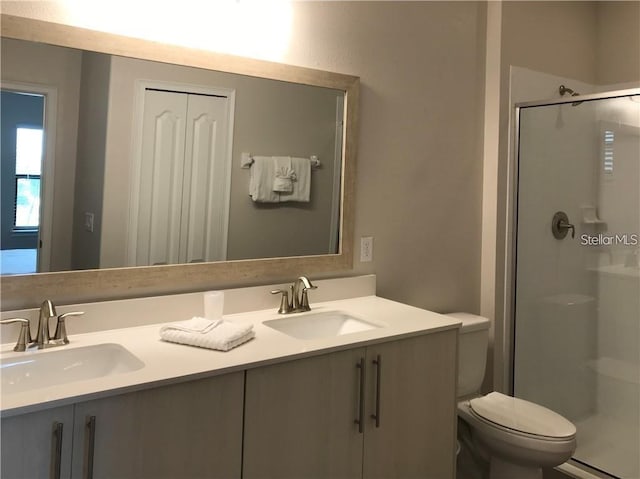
58,68
419,164
418,189
551,37
618,42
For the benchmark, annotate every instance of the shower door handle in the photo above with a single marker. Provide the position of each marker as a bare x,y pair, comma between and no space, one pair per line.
560,226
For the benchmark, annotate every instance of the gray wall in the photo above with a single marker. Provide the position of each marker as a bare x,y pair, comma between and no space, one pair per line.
277,118
271,118
59,68
92,135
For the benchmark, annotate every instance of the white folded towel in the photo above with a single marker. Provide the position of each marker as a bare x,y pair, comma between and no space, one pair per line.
204,333
261,180
302,184
285,176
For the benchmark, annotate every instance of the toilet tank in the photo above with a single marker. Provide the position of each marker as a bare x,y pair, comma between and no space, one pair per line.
472,352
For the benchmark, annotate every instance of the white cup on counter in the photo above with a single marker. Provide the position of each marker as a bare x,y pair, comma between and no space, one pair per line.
213,305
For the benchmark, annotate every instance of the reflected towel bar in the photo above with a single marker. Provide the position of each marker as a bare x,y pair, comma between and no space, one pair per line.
246,160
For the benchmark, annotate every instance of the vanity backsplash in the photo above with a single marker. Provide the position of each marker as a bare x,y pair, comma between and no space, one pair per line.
106,315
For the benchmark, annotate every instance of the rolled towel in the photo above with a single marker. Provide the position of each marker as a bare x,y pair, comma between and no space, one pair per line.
302,184
285,176
204,333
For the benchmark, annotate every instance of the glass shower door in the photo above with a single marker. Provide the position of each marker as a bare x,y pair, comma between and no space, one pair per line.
577,278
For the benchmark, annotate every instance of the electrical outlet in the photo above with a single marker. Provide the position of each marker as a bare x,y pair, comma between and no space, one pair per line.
88,222
366,249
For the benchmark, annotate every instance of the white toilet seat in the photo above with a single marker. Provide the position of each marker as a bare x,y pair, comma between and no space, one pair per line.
517,447
522,417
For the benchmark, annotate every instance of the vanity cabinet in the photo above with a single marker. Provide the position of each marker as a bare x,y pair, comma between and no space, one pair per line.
415,436
188,430
37,445
302,418
299,419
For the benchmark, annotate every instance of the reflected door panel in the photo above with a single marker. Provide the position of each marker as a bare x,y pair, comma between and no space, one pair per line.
205,202
161,175
182,202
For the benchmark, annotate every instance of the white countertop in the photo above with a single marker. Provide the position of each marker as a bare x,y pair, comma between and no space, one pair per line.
167,363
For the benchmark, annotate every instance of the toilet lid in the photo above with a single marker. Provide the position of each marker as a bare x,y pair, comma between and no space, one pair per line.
521,415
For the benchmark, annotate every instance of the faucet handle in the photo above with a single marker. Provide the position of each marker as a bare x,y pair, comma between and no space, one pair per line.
61,330
285,305
24,337
304,302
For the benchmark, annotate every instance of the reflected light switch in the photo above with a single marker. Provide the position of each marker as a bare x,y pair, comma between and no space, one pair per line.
88,222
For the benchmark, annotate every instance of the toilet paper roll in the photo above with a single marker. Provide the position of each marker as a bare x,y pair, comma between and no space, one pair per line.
213,305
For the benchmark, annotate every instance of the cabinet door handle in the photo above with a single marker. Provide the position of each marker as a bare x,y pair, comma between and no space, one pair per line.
56,453
378,364
90,438
360,365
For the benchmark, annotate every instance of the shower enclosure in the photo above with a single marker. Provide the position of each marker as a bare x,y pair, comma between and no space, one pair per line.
576,292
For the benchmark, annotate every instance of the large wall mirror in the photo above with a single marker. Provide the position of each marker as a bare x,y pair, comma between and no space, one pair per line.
129,166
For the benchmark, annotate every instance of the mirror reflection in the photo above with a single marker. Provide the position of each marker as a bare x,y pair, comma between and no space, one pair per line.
111,161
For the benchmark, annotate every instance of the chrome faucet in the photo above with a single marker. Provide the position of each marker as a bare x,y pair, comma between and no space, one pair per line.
47,311
294,298
43,337
300,297
60,336
24,338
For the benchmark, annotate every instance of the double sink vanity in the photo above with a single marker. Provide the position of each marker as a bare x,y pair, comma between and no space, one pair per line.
359,386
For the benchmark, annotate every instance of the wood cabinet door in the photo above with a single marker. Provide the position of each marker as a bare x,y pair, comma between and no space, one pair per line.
411,388
300,419
37,445
188,430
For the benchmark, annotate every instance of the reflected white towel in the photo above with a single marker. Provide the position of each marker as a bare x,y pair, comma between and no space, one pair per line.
204,333
302,184
261,180
284,174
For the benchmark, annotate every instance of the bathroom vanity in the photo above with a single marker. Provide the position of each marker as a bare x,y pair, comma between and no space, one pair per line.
374,403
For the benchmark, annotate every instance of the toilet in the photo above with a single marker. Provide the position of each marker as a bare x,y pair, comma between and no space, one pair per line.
516,437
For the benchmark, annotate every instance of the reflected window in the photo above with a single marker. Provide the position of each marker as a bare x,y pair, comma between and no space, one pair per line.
607,160
28,171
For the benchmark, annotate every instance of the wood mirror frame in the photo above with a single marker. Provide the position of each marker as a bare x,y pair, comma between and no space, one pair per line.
22,291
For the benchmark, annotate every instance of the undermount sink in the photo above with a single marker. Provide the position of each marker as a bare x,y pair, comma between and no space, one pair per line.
35,370
320,325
